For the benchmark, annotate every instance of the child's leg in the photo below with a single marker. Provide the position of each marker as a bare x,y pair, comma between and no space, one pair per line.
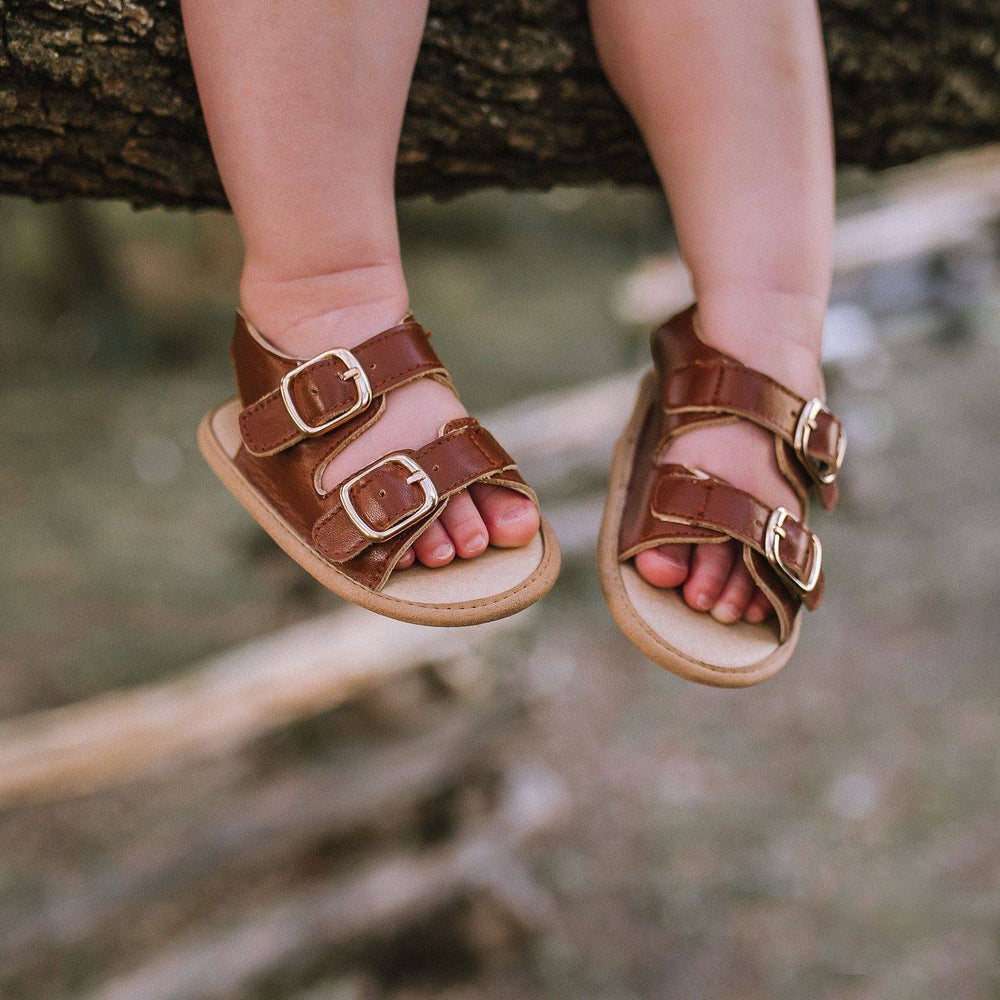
304,106
732,101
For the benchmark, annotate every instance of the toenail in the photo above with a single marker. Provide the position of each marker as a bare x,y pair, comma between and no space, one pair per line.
668,559
477,542
724,613
512,515
702,601
443,551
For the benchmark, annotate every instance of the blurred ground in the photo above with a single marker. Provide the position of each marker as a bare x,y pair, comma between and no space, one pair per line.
831,834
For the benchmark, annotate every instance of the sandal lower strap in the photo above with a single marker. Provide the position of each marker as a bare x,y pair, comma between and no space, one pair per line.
317,395
687,505
400,493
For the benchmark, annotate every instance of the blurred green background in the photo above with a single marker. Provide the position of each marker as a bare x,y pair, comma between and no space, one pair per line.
832,833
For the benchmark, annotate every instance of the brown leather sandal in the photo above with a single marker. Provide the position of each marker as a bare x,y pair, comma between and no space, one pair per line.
652,502
271,445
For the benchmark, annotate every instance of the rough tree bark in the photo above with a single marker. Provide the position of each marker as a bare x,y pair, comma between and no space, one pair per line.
97,99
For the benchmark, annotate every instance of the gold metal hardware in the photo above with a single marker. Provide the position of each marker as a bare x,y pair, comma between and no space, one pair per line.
825,472
353,370
417,475
773,534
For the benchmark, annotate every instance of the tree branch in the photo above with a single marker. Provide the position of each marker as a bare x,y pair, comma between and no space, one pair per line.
97,98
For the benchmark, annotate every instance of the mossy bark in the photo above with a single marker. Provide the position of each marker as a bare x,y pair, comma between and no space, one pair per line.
97,97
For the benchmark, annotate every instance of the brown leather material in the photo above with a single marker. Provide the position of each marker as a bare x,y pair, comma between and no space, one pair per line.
640,530
723,387
785,606
703,501
702,384
645,528
289,472
375,561
669,503
321,392
464,454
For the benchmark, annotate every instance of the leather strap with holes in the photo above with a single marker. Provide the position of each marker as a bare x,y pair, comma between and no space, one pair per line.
707,388
389,492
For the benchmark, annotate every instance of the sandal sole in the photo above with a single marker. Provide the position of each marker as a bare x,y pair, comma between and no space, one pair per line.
689,643
462,593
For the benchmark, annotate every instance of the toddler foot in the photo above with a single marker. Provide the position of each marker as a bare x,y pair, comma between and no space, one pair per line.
713,578
473,519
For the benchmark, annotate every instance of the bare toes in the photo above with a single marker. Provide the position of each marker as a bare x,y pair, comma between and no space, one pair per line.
462,522
710,569
666,566
434,547
406,560
758,609
511,518
736,595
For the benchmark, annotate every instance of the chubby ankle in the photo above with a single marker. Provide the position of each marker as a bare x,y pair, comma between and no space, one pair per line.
306,314
779,333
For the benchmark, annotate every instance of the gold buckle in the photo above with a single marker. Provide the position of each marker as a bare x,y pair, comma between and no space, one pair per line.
417,475
353,371
825,472
772,549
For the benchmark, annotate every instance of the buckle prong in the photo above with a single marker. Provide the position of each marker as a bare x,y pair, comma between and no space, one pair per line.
353,371
773,534
417,475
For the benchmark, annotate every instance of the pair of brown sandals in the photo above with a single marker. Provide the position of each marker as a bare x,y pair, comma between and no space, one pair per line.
271,445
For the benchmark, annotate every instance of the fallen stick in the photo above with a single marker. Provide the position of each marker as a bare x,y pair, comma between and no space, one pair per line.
224,704
239,695
554,434
374,901
252,831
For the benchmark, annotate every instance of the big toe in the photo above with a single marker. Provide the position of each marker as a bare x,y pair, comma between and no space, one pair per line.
511,519
666,566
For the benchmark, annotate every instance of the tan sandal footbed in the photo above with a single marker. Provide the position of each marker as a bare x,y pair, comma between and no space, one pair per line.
689,643
496,584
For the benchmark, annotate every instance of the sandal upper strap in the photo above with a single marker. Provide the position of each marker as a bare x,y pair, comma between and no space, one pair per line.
316,395
403,491
724,386
685,496
701,385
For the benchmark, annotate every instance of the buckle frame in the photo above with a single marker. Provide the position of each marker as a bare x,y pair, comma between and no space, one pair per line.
773,534
825,472
417,475
353,371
